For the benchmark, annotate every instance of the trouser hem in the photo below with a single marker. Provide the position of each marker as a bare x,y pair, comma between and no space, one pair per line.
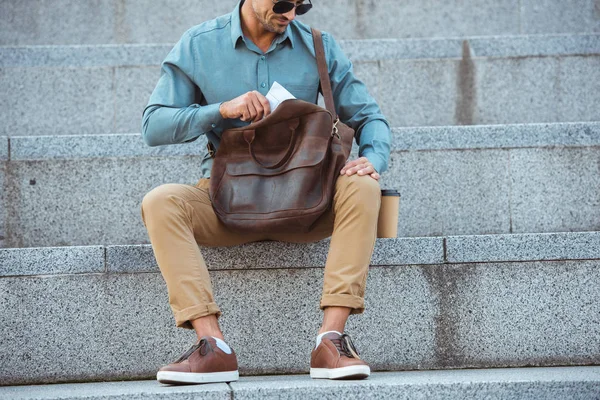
183,317
356,303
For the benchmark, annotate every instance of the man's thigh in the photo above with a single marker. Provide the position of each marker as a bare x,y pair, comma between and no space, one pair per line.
207,228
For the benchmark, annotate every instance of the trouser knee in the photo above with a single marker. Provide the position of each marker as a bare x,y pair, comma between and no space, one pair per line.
361,192
156,202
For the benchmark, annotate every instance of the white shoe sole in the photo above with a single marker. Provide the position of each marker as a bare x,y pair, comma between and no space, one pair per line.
351,372
191,377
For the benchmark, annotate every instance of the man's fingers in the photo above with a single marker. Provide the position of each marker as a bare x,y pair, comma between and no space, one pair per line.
349,165
260,111
375,176
251,110
366,170
265,104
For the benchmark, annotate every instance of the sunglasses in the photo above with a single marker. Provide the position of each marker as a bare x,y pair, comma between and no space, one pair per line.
283,6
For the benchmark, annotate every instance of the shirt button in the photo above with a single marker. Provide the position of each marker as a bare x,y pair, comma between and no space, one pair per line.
214,125
263,85
262,58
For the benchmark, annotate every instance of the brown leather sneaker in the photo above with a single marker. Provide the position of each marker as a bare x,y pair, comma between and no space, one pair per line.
337,358
204,362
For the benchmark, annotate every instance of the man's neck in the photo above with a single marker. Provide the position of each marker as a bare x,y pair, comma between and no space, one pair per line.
253,29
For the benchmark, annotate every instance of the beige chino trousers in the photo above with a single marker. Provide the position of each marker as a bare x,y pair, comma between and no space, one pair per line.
180,217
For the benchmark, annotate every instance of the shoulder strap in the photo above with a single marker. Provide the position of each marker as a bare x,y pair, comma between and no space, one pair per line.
323,72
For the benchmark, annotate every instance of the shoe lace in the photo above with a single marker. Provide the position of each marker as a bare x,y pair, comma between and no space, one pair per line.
346,347
203,345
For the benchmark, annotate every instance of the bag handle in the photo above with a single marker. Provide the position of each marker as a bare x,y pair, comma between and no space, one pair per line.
323,72
249,136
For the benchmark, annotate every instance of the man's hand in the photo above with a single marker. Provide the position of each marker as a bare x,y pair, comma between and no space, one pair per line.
251,106
361,166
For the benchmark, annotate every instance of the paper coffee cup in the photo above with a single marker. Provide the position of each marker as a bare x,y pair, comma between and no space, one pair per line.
387,225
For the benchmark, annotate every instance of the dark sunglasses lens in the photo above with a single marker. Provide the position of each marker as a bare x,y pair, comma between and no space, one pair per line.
282,7
303,9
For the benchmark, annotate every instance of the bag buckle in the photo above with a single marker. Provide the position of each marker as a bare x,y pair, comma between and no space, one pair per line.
334,130
210,149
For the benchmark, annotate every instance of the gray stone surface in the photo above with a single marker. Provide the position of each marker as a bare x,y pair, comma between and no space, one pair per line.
418,92
555,190
434,18
51,260
451,192
132,91
546,312
579,80
571,134
102,55
136,21
263,255
57,147
368,72
547,16
523,247
80,202
3,148
79,327
62,21
86,327
98,325
3,227
535,45
517,383
373,50
151,390
522,383
523,90
87,190
104,89
475,91
42,101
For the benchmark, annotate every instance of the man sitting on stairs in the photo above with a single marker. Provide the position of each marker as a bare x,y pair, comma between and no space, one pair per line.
216,77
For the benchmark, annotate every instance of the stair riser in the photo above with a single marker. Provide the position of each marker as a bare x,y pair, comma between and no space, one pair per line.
48,100
91,201
118,326
130,21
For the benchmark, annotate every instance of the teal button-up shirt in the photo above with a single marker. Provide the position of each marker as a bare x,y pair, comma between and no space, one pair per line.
214,62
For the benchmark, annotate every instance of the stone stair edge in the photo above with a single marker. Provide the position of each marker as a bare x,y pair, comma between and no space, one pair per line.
358,50
529,247
459,383
564,134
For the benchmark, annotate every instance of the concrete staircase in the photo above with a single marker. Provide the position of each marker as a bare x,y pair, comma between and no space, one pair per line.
496,152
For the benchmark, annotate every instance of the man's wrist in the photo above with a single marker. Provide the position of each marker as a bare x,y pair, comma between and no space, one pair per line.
221,109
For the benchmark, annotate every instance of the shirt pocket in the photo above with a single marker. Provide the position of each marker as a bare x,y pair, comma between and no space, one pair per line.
303,92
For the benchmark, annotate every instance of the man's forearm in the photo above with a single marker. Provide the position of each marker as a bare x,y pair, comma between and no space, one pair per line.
167,125
375,144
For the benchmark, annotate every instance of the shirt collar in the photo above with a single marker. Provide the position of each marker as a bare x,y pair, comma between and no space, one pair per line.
236,29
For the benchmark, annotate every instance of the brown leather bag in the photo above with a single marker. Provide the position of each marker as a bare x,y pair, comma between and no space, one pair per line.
279,174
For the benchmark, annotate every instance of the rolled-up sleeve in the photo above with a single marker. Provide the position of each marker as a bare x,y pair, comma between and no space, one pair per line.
174,114
356,108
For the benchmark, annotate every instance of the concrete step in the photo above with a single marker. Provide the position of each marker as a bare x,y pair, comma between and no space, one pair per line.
87,189
130,21
418,82
101,313
517,383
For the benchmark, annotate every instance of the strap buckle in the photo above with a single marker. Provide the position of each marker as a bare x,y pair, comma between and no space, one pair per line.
334,130
210,148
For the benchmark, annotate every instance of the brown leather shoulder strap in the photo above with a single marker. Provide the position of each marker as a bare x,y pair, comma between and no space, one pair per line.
323,72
